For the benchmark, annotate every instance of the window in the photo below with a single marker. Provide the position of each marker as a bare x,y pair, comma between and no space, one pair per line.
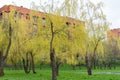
20,15
15,14
0,14
43,21
74,24
67,23
34,18
27,16
7,11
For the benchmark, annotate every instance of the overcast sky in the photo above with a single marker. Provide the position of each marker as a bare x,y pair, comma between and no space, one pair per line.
111,8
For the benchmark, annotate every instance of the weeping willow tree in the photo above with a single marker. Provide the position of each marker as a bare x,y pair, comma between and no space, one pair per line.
6,28
22,35
56,31
63,38
25,41
97,27
77,32
76,44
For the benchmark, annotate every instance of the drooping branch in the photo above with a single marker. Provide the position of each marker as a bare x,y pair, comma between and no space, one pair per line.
9,44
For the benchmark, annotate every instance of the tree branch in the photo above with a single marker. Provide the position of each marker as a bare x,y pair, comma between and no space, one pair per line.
9,44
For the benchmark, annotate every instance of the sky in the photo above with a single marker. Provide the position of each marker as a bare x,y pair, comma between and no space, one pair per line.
111,8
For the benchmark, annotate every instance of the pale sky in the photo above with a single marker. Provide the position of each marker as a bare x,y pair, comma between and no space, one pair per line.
111,8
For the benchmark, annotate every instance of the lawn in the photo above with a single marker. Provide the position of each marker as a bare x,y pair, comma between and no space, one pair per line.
64,75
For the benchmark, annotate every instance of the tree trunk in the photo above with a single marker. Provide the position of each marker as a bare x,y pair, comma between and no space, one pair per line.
41,63
29,63
109,65
32,62
1,71
26,64
52,58
52,53
94,62
88,65
1,64
89,70
57,68
73,67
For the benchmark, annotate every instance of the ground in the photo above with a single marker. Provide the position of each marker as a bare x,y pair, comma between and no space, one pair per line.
64,75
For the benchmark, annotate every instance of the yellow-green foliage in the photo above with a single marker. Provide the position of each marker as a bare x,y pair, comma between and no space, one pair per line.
76,44
65,49
3,38
19,34
24,41
6,21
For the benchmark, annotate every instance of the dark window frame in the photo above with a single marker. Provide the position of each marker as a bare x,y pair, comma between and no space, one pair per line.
68,23
1,14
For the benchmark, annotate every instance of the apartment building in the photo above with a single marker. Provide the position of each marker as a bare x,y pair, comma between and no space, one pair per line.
24,13
114,33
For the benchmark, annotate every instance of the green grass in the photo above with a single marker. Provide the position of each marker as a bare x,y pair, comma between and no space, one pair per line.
45,74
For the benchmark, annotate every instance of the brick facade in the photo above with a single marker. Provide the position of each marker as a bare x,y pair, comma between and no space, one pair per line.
115,33
24,13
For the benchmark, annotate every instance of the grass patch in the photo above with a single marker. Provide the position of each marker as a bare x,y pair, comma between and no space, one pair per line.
64,75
